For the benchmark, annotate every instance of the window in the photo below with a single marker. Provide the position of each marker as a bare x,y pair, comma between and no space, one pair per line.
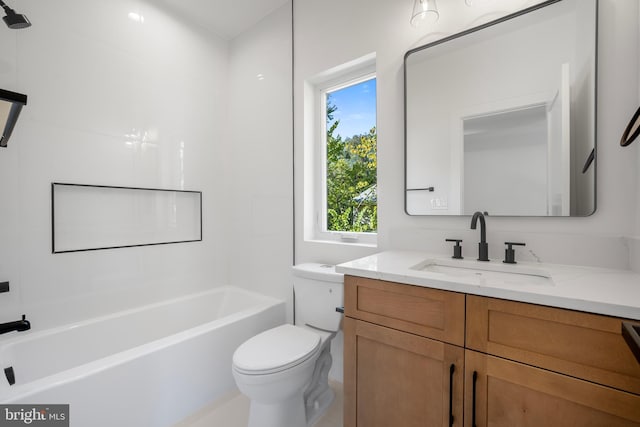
349,161
339,132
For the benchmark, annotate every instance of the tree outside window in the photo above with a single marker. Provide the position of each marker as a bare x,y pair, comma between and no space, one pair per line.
351,169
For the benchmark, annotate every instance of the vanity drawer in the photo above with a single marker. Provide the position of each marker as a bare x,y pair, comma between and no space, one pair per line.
582,345
431,313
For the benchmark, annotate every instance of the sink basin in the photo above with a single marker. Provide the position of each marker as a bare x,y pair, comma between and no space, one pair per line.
486,273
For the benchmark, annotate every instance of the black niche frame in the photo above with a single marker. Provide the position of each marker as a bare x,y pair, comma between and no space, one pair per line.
53,229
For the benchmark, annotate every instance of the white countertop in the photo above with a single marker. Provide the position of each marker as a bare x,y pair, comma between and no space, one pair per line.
594,290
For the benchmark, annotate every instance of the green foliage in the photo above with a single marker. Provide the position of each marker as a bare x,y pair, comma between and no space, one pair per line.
351,179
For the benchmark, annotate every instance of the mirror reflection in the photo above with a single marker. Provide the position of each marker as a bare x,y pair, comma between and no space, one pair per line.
501,118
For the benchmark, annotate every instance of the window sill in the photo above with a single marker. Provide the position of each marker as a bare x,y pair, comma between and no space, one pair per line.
342,243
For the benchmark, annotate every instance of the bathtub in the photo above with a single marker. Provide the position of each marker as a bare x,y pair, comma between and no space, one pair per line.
149,366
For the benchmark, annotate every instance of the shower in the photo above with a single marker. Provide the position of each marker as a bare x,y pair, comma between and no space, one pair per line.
14,20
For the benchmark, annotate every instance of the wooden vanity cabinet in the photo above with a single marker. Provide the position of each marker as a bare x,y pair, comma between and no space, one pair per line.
427,312
394,378
504,393
545,366
400,369
523,365
582,345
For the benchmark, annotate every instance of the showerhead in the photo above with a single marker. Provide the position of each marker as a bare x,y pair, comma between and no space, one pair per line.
14,20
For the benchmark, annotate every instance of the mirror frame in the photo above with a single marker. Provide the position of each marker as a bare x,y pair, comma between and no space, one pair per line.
591,161
17,101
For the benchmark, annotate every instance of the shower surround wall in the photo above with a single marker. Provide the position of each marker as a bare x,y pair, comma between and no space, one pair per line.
601,240
112,101
261,157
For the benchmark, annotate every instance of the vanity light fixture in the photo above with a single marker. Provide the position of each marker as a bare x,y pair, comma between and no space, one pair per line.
11,104
424,11
427,11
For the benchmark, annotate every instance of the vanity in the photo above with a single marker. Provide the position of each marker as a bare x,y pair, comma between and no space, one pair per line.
499,120
431,341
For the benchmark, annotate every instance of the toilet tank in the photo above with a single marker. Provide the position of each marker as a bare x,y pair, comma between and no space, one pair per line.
318,291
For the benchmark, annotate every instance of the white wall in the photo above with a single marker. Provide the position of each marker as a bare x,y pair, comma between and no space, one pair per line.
517,183
635,147
384,29
260,165
92,76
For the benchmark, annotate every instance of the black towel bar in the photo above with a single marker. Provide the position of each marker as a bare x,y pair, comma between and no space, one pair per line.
632,131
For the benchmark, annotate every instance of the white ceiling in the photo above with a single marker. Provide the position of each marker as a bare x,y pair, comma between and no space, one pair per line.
226,18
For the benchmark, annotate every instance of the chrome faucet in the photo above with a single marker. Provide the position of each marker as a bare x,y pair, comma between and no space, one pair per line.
18,325
483,247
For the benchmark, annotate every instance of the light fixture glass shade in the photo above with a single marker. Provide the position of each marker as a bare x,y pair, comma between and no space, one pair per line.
424,11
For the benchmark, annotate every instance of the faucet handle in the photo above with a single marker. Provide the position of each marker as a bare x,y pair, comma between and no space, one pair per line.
457,249
510,253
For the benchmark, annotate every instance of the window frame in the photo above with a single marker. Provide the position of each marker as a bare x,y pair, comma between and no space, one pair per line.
356,76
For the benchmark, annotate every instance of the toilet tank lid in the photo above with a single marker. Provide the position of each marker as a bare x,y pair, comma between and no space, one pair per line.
316,271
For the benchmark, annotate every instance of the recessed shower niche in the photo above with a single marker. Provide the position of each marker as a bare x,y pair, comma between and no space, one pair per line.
92,217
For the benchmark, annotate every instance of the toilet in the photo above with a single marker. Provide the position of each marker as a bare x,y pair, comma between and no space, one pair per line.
284,371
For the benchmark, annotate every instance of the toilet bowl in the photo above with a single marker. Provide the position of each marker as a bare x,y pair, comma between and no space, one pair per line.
284,370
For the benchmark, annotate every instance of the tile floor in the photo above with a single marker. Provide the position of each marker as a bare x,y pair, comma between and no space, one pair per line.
233,411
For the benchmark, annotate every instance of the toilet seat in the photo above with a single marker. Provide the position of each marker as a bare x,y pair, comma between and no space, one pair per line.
276,350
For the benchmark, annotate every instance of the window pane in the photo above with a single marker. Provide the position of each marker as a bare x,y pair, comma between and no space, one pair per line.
352,158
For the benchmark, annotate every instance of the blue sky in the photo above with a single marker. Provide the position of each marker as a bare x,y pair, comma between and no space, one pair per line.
356,108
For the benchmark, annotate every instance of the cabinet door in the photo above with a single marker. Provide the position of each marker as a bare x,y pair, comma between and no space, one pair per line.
582,345
511,394
394,378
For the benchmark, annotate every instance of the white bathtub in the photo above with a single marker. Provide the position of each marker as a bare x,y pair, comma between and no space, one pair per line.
150,366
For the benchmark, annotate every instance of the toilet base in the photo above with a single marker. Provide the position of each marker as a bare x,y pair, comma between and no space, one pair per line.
295,397
319,395
288,413
321,405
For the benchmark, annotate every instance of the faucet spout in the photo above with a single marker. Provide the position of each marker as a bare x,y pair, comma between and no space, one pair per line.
18,325
483,225
483,247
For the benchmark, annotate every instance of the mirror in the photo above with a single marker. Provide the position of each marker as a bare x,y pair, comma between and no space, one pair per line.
11,104
501,118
